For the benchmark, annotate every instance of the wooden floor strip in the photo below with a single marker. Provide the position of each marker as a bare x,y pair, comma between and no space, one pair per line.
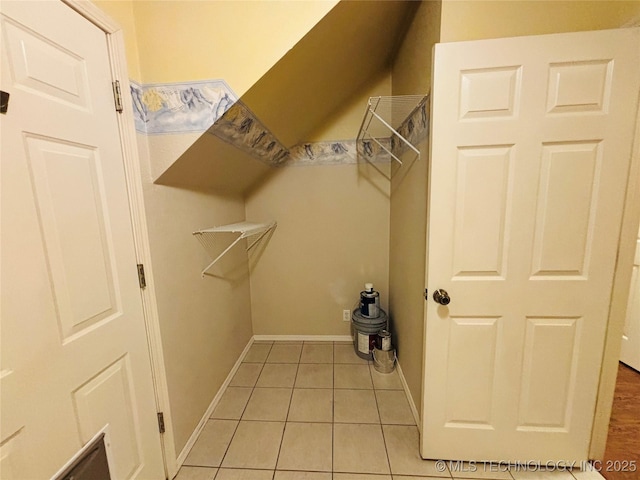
623,442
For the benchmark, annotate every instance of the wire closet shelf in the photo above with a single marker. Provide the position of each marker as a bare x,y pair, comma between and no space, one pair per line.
209,237
383,120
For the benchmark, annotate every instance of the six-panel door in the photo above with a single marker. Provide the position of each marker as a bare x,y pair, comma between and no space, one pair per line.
530,151
74,350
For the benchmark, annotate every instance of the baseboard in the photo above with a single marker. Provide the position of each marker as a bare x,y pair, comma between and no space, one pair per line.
214,403
412,405
303,338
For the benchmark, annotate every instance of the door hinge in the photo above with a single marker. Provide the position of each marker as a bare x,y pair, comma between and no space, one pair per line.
141,278
161,422
117,95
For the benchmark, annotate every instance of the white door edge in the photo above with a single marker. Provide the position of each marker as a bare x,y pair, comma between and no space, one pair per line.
116,46
619,295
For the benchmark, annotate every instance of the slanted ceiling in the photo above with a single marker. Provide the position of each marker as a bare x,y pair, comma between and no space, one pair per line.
349,46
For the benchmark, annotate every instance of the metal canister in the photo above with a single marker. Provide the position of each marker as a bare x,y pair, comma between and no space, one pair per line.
369,302
384,340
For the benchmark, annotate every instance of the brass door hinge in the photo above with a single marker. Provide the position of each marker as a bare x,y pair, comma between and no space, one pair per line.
117,95
161,422
141,278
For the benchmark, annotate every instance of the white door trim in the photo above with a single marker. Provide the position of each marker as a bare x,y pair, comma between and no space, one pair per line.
619,297
116,46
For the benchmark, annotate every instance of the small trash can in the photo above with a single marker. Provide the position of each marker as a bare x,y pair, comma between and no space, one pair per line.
365,332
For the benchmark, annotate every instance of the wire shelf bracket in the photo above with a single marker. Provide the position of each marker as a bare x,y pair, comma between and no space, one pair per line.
383,120
208,237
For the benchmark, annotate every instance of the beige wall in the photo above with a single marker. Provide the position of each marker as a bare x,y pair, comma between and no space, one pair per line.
122,12
408,211
332,237
205,323
237,41
345,122
478,19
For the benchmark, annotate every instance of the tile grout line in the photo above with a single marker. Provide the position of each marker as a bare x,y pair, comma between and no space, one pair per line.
333,423
207,416
226,419
333,405
243,411
384,440
284,428
273,474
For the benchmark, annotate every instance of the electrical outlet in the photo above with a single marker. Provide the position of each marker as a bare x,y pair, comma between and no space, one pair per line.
346,315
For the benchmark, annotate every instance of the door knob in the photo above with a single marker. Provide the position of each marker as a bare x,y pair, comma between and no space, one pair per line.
441,297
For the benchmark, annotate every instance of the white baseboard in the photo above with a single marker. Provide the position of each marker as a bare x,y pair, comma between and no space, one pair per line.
303,338
412,405
214,403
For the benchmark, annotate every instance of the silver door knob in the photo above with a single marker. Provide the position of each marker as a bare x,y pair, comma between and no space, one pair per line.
441,297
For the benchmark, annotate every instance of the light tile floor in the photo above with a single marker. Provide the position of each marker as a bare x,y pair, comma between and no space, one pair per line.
317,411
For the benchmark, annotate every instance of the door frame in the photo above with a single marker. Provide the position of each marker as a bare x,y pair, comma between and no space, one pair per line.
119,71
619,300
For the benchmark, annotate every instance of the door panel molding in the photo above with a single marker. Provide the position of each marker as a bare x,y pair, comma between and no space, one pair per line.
549,373
564,163
484,256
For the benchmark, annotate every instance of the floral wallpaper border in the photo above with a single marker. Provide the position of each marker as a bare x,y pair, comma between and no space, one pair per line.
162,108
242,129
211,106
343,152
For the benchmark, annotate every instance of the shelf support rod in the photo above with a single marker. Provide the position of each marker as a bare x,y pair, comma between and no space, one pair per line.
221,255
394,131
260,237
386,149
242,235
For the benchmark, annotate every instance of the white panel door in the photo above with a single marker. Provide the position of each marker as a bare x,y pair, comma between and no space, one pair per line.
531,140
75,358
630,353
